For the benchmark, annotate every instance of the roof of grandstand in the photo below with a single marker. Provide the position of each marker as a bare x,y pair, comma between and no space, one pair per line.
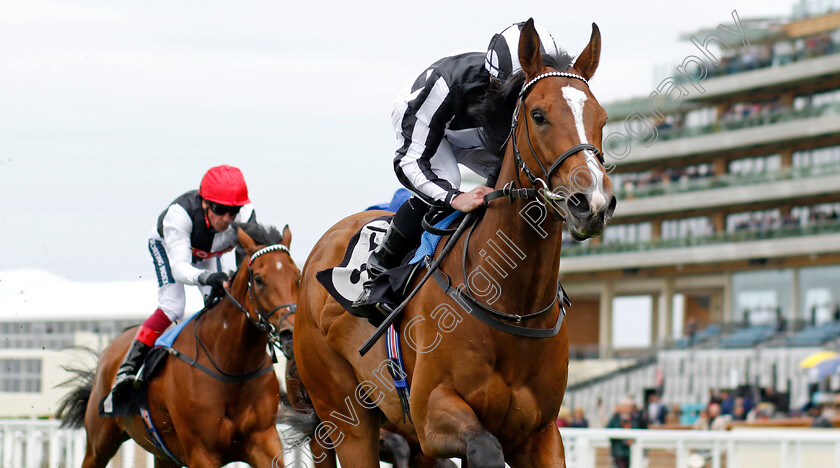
35,295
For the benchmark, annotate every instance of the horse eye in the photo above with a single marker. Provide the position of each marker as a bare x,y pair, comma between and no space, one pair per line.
538,117
258,279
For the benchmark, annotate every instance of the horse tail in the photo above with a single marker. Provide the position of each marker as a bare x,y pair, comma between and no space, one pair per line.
301,425
72,408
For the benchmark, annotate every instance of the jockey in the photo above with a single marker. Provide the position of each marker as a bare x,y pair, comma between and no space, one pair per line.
436,131
186,247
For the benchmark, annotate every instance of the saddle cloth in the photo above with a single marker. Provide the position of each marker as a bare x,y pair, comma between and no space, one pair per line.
132,402
345,281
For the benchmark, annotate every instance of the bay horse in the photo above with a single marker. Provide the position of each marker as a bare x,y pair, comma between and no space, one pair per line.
204,421
478,391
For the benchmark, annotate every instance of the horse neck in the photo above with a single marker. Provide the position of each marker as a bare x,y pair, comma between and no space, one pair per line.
522,256
235,344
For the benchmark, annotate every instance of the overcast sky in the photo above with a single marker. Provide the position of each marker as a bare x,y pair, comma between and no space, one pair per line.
109,110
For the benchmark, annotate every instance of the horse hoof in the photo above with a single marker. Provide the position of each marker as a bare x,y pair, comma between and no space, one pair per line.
485,451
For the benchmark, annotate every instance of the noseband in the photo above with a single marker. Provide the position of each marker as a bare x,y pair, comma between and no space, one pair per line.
545,191
261,322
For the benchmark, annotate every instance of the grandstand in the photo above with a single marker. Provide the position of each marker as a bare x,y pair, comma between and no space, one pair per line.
41,315
728,221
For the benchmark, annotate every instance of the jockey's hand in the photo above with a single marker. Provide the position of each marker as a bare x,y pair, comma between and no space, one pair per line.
471,200
219,281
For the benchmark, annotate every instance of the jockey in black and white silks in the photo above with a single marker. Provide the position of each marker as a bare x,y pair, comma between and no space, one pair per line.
436,132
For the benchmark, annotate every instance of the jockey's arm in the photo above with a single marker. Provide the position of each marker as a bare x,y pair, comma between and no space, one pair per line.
177,226
423,127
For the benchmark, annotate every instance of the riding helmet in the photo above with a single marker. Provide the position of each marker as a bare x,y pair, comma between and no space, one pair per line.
224,185
502,59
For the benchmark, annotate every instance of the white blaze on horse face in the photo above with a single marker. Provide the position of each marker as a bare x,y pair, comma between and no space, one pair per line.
279,265
576,99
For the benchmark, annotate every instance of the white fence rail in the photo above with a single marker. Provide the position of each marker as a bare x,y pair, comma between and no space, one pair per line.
41,444
748,448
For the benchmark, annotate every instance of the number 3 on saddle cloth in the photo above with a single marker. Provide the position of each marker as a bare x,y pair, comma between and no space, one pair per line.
344,282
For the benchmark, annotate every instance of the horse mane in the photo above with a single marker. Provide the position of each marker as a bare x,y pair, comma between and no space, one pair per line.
261,235
494,109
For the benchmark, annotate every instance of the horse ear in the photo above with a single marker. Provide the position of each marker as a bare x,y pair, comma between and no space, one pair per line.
287,236
529,50
246,242
587,61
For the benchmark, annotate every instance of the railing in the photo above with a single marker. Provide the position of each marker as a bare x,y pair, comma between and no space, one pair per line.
727,180
40,444
767,448
777,116
728,237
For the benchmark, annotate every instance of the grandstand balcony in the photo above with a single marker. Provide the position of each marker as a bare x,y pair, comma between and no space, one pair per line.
728,190
813,239
774,128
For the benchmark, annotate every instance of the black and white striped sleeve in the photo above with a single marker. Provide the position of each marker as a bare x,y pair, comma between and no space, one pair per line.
428,109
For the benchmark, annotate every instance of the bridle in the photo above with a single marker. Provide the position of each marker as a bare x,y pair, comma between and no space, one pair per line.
541,185
261,320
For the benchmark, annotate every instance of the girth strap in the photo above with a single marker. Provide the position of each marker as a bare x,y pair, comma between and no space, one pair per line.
224,378
478,311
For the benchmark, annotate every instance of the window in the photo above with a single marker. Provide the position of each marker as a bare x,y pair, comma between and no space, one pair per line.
687,227
20,375
627,233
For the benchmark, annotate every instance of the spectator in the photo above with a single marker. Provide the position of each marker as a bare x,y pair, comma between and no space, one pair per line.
820,420
748,402
656,411
691,330
640,419
717,421
727,402
713,398
602,418
578,420
622,419
564,417
738,411
702,422
673,416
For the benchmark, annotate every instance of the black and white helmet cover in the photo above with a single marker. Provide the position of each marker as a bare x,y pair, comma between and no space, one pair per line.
502,59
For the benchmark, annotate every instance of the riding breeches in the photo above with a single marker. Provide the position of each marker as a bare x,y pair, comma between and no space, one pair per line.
171,294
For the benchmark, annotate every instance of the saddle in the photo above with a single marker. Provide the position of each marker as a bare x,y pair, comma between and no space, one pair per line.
344,281
131,402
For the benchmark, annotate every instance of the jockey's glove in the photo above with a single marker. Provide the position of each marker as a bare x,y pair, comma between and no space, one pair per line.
216,280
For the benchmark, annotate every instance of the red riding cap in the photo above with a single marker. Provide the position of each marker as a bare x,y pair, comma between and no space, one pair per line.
224,185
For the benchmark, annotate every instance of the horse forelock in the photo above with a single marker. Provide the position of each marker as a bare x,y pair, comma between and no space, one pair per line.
260,234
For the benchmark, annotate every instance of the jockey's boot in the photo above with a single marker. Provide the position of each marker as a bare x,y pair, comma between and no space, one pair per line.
127,373
395,245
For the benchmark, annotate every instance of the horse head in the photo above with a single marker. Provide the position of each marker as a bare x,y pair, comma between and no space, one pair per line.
561,132
274,282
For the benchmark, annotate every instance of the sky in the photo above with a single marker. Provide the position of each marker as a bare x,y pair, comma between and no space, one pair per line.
110,110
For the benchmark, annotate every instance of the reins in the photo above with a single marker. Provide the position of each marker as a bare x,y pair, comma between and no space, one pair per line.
261,323
540,190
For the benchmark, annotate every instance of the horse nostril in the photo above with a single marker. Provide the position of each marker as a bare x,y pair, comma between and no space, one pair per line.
578,205
611,207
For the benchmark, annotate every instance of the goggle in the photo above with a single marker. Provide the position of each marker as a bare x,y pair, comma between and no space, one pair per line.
222,210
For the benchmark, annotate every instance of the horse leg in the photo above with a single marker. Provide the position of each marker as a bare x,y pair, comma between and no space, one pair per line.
322,456
104,438
544,449
266,450
450,428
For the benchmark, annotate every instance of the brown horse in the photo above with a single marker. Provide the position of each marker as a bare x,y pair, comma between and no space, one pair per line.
206,422
476,392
